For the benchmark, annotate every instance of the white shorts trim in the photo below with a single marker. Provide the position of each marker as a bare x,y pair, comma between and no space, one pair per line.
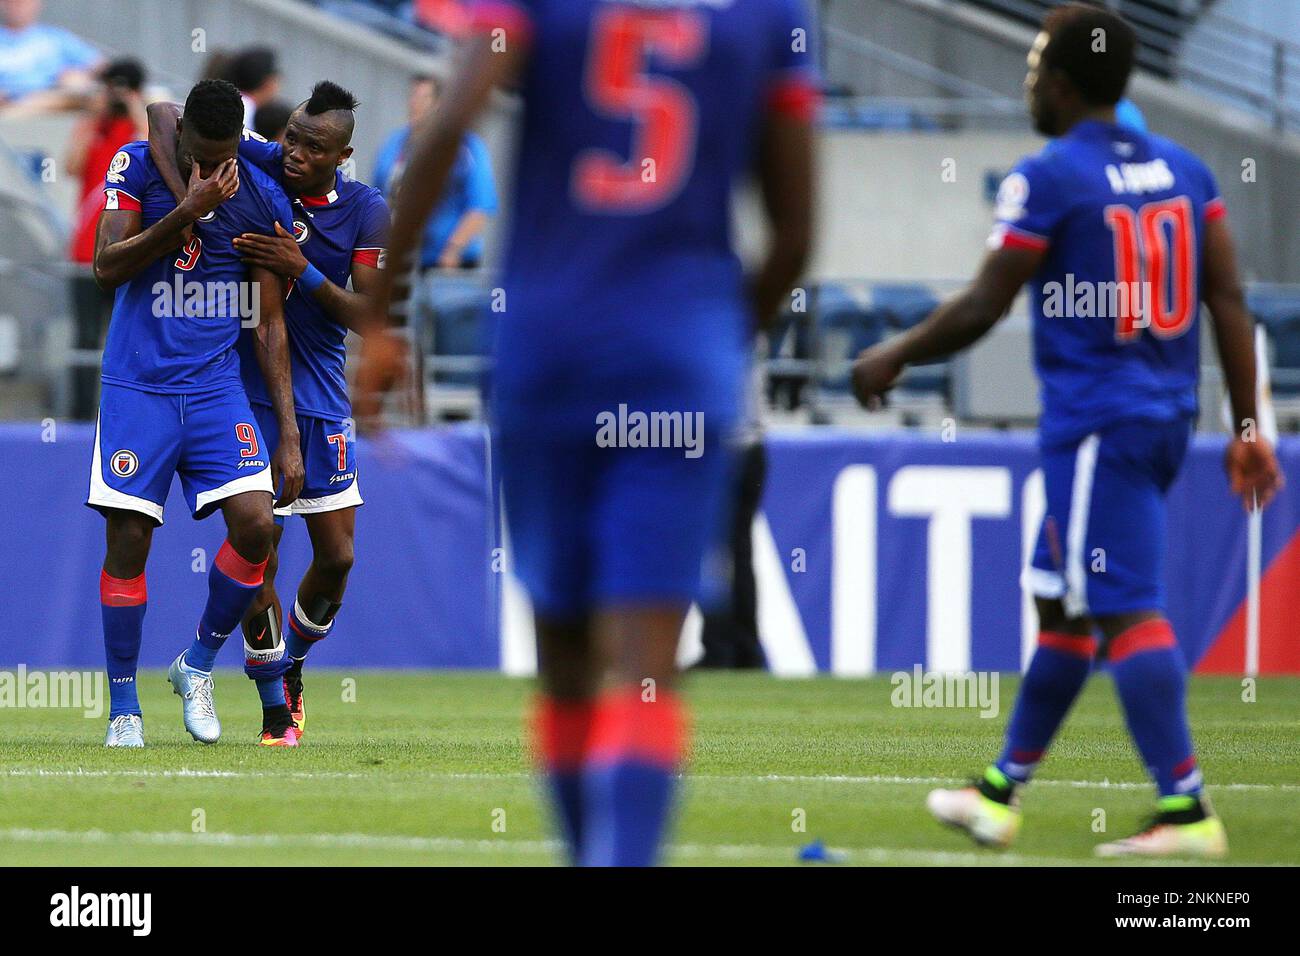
1076,580
102,496
349,497
259,481
1042,583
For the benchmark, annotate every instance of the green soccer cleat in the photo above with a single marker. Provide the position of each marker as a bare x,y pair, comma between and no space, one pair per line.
988,810
1183,827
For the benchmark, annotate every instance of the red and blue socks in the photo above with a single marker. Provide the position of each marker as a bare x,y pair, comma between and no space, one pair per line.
628,777
303,632
233,582
1151,677
1056,674
561,730
122,603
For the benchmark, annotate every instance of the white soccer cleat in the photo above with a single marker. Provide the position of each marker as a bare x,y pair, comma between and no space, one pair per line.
986,821
1205,839
125,730
199,710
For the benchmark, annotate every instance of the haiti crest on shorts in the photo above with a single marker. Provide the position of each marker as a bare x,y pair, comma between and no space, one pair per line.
124,463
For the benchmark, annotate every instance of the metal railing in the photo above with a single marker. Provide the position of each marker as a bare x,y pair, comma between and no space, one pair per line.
1196,43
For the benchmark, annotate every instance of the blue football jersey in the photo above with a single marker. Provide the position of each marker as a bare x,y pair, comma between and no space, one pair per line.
347,225
1121,216
175,324
620,282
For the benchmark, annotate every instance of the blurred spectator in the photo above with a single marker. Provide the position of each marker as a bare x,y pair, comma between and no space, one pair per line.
271,120
256,73
453,236
116,117
218,66
41,67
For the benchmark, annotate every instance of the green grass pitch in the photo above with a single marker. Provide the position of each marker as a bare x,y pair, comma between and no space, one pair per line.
430,768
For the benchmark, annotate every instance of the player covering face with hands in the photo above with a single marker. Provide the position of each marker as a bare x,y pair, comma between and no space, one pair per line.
173,401
1117,208
330,256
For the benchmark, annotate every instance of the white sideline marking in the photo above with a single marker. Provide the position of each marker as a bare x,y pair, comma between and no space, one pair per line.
519,775
352,841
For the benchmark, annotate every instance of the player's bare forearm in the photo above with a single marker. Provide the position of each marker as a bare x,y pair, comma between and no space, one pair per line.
354,309
271,345
786,172
953,326
435,143
123,250
967,317
1233,326
162,145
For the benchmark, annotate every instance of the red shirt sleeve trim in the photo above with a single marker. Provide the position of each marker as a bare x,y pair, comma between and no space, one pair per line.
1215,209
367,257
1015,239
795,96
124,199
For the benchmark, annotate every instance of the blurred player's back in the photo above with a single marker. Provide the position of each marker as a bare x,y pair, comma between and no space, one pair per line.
638,119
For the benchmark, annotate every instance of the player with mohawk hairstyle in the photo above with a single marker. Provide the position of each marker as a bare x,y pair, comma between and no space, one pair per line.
339,237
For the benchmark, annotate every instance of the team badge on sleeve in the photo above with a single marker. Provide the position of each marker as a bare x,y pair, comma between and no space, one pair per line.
1012,196
121,160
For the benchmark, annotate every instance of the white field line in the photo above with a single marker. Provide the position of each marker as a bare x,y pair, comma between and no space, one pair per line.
878,780
353,841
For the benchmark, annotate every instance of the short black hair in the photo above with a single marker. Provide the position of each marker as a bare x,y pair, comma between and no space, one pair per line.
270,119
1094,47
252,67
127,72
327,96
214,110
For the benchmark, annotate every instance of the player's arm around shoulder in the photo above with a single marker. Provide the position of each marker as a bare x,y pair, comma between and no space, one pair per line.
271,346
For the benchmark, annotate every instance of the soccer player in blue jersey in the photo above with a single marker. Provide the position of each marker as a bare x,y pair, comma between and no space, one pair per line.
172,400
622,293
338,239
1121,237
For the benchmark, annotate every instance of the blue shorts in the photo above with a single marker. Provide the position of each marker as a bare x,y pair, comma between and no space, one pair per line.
329,458
143,438
592,527
1101,548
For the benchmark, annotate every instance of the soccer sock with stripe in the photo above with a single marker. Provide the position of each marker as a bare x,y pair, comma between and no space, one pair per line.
561,729
303,632
1057,672
233,582
1151,678
122,604
629,776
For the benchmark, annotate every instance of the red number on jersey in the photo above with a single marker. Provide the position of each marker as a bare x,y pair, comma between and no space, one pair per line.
1155,257
189,256
245,433
341,441
618,85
